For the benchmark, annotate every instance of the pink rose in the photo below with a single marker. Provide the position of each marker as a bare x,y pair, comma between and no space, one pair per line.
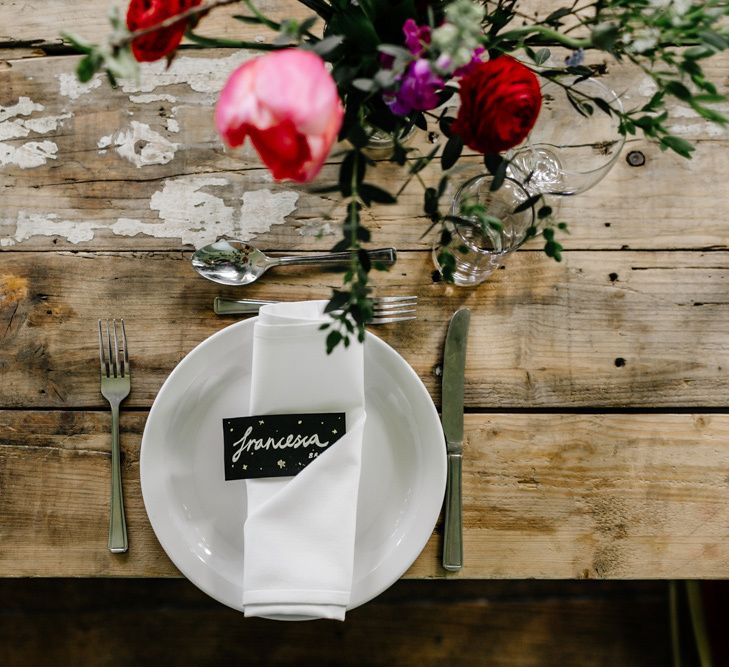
287,103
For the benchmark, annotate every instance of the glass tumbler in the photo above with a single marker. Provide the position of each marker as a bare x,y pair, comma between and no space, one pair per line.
479,251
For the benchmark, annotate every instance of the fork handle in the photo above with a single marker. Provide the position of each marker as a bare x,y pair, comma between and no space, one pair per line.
223,306
117,523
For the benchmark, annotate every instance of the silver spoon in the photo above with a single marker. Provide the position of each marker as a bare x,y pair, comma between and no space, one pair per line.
237,263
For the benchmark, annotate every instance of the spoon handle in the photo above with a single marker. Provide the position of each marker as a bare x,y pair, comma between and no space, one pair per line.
385,255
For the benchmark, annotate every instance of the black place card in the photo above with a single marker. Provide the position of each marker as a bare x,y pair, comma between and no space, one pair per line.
277,445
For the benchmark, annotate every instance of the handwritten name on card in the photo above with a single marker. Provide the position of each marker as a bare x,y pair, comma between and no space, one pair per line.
277,445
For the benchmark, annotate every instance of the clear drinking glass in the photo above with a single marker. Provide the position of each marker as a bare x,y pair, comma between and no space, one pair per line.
566,152
479,252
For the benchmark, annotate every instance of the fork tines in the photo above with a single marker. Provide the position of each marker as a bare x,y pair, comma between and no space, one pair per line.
114,361
387,309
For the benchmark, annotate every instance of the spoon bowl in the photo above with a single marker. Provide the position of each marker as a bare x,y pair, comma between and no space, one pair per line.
230,262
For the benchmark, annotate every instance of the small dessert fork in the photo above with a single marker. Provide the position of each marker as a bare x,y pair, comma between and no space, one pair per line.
115,386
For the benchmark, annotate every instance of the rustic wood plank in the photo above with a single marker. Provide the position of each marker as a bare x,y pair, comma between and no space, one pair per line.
609,329
87,190
545,496
24,22
519,624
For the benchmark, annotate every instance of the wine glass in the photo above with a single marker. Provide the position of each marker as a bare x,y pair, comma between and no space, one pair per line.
569,150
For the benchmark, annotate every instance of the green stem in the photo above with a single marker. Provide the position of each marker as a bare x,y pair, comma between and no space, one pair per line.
550,36
320,7
128,37
216,42
273,25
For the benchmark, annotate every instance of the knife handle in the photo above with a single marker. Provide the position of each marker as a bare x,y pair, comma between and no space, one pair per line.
453,533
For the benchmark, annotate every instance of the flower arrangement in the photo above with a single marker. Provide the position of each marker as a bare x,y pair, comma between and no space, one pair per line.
357,68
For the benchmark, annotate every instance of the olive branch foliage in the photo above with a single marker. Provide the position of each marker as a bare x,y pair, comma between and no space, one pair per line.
669,40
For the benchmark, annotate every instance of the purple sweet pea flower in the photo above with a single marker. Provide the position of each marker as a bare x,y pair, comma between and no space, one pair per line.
475,60
417,91
416,37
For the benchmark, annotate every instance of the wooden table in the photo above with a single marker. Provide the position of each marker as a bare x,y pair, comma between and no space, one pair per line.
596,389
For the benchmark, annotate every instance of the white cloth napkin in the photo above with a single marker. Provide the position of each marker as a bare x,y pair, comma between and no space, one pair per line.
299,533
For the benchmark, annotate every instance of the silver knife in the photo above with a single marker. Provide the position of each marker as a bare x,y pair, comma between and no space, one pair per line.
454,366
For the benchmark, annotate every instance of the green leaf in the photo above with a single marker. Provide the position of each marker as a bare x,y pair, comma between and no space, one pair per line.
678,90
499,176
444,124
339,300
527,203
364,259
395,51
603,105
326,46
81,45
557,14
372,193
451,152
698,52
430,204
492,162
442,185
542,56
678,145
307,24
365,85
333,339
604,36
714,39
87,67
709,114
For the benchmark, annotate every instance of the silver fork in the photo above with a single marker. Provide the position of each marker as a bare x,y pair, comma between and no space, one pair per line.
115,386
386,309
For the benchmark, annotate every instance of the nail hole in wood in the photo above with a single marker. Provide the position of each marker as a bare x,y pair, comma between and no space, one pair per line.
613,277
620,362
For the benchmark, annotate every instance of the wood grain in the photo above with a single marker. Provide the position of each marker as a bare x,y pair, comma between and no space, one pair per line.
669,202
514,624
625,329
545,496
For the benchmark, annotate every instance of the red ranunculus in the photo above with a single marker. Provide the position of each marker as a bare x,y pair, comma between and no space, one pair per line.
146,13
500,102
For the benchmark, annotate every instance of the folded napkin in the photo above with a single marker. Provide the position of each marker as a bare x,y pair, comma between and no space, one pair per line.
299,533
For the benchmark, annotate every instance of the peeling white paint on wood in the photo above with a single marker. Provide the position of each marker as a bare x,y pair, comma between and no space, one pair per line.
28,155
29,225
198,217
69,85
203,75
23,107
187,211
316,228
148,98
173,125
14,126
140,145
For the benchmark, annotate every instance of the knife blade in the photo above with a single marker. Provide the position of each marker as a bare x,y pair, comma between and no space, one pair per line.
454,367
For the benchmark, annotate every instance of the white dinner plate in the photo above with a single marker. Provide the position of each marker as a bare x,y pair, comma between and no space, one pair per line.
198,517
